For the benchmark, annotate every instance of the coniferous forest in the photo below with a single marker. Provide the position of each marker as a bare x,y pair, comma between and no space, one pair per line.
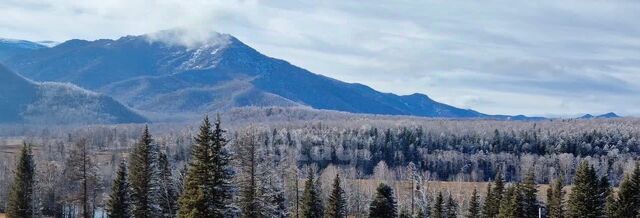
359,166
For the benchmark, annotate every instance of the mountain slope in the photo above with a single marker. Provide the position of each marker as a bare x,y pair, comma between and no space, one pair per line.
23,101
12,47
160,72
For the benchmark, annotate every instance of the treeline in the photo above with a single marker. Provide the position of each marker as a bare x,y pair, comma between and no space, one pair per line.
256,177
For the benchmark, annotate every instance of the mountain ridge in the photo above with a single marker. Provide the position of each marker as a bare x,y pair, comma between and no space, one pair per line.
147,72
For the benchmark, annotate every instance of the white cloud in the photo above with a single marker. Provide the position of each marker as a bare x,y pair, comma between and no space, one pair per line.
541,57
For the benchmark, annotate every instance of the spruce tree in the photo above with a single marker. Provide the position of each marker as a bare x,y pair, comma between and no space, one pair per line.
311,201
474,205
337,205
438,207
192,201
207,185
80,171
509,204
384,204
494,197
20,202
486,207
529,193
452,207
555,197
118,205
628,200
143,178
604,192
584,199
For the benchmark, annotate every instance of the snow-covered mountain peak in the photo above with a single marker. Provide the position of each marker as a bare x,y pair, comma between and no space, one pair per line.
191,39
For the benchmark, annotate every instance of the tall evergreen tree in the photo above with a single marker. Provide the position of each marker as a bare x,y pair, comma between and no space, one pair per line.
384,204
144,178
474,205
20,202
510,204
207,185
337,205
311,200
118,205
529,193
438,209
494,198
584,199
487,211
603,192
452,207
555,197
628,201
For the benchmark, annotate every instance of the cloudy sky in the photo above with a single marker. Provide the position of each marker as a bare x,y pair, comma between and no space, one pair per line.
499,57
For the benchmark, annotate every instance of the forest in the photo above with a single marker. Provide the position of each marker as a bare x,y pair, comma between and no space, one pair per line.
323,165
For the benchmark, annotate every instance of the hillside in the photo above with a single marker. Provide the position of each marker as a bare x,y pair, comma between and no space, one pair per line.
23,101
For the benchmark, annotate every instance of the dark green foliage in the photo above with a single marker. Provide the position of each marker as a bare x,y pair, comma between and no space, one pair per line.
529,192
474,205
384,204
143,178
311,201
452,207
494,197
584,198
207,188
512,203
118,205
555,200
438,207
404,214
337,205
628,201
20,203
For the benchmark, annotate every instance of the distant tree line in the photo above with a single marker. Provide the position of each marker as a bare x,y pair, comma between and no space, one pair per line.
258,176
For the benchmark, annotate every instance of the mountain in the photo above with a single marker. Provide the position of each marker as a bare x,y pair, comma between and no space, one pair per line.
23,101
13,47
608,115
168,72
602,116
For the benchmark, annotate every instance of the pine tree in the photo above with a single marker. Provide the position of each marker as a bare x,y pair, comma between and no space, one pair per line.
555,197
604,192
494,197
509,204
337,205
311,201
474,205
118,205
628,200
438,207
221,191
487,210
20,202
207,185
143,178
584,199
452,207
384,204
192,201
169,198
530,197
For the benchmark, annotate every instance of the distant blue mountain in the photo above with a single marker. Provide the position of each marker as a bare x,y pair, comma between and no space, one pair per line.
23,101
602,116
164,72
13,47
